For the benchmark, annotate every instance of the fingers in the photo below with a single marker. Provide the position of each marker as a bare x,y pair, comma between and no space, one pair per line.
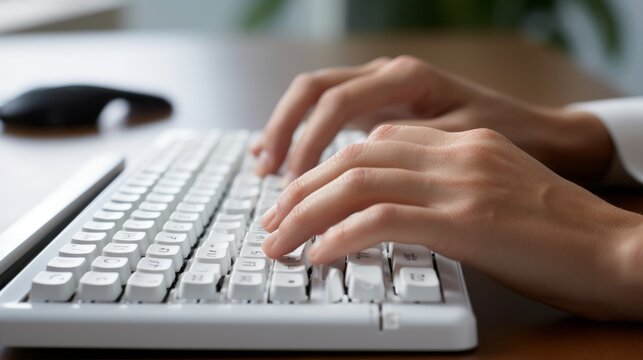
381,154
381,223
303,93
421,135
391,84
354,191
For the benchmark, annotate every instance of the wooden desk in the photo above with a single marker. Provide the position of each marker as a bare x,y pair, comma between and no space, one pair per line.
235,82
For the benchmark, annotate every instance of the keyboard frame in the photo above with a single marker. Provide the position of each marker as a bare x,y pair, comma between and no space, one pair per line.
392,325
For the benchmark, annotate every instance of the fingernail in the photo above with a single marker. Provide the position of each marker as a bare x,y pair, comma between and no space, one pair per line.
290,177
265,162
267,217
270,241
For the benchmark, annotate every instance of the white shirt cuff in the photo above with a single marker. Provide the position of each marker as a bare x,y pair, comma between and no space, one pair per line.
623,119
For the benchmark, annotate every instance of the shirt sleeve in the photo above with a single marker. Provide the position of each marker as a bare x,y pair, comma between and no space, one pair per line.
623,119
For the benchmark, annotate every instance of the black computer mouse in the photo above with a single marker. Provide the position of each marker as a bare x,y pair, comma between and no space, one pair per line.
72,105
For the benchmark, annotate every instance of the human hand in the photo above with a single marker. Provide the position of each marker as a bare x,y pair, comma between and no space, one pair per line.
412,92
474,197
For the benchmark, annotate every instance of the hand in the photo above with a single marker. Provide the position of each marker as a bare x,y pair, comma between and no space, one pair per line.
574,144
474,197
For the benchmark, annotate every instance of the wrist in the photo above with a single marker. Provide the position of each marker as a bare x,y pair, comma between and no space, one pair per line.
623,297
583,147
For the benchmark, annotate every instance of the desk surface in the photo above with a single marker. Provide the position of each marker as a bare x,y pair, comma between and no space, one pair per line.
234,83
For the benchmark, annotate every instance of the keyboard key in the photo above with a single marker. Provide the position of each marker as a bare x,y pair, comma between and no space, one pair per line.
255,238
145,287
292,267
333,286
366,283
90,238
75,265
86,251
154,216
368,257
133,237
156,207
236,228
99,286
198,285
170,252
209,202
246,286
205,267
118,265
126,208
160,198
288,287
194,209
214,238
133,199
417,284
251,265
191,218
132,189
234,206
181,228
218,253
168,190
295,255
404,255
117,217
109,228
146,226
129,251
52,286
157,266
250,251
180,240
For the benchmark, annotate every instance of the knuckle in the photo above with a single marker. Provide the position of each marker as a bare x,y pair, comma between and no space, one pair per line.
408,64
356,178
384,132
306,82
349,153
297,216
384,214
484,134
334,100
294,193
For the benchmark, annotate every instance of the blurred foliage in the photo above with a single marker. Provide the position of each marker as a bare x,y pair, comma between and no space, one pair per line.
538,18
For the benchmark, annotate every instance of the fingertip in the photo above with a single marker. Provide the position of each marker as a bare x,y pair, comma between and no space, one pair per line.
269,244
265,163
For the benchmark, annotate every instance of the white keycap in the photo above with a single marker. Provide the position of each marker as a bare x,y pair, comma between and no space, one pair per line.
218,253
229,239
417,284
198,285
205,267
108,228
154,216
250,251
191,218
75,265
133,189
194,208
333,286
246,286
133,199
180,240
52,286
208,201
137,181
291,267
247,179
181,228
404,255
109,264
245,192
368,257
251,265
168,190
99,286
295,255
366,283
160,198
89,238
129,251
257,228
88,251
230,217
157,266
133,237
200,190
255,238
117,217
178,175
163,208
117,206
146,226
286,287
237,228
145,287
234,206
171,252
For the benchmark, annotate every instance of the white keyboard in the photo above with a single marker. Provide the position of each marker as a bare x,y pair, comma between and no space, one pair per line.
169,256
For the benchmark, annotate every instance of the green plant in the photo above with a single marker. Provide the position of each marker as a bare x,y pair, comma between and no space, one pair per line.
384,15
